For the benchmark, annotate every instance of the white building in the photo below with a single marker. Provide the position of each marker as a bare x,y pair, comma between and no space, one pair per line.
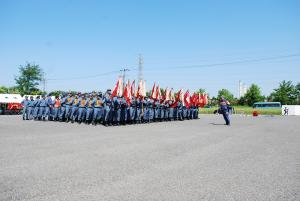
290,110
243,88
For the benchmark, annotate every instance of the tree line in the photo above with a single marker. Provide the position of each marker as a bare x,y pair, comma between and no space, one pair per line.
30,76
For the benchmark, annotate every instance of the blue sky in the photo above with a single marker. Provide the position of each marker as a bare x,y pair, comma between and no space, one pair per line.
84,38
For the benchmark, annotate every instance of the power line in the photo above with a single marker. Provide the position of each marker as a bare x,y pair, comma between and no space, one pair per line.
229,63
85,77
245,61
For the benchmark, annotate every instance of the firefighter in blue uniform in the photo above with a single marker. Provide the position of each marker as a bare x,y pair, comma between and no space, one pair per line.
171,110
124,111
179,111
224,110
30,108
151,109
107,108
156,110
116,110
98,110
74,110
146,113
131,111
62,107
42,108
89,109
25,108
49,108
162,110
139,110
82,109
68,106
36,105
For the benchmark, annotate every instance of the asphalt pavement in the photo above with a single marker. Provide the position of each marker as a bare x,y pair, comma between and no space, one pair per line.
253,159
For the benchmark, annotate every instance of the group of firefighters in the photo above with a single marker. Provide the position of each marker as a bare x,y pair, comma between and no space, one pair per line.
107,109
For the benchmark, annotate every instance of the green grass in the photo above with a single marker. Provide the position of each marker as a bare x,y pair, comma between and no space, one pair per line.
245,110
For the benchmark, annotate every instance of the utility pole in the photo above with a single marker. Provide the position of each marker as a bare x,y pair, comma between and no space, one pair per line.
124,76
141,67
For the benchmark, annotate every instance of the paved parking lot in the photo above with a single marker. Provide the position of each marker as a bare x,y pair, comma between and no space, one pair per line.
254,159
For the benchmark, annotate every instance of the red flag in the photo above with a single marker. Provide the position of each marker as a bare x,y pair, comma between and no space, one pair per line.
132,88
153,92
167,94
127,93
177,98
118,88
187,99
205,99
158,93
141,92
194,99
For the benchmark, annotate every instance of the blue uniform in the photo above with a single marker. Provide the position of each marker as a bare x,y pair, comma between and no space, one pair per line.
156,109
82,110
62,111
124,111
224,110
25,108
131,111
74,110
139,106
179,111
170,110
116,110
107,110
30,108
36,105
98,111
49,108
89,109
68,105
42,108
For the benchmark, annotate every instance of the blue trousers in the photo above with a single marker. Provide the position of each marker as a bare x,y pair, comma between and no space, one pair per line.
107,114
42,112
74,113
138,114
68,111
81,113
25,111
56,112
62,112
116,115
226,117
89,113
98,113
131,114
29,112
35,112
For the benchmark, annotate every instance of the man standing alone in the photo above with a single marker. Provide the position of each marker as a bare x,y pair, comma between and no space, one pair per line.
224,110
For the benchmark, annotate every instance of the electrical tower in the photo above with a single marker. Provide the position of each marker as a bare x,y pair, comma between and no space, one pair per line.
141,68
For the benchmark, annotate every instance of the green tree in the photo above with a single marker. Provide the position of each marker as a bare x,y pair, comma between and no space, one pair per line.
297,93
253,95
29,78
201,91
226,94
285,93
3,90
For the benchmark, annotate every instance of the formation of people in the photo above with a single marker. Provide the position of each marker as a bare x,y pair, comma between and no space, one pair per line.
105,109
